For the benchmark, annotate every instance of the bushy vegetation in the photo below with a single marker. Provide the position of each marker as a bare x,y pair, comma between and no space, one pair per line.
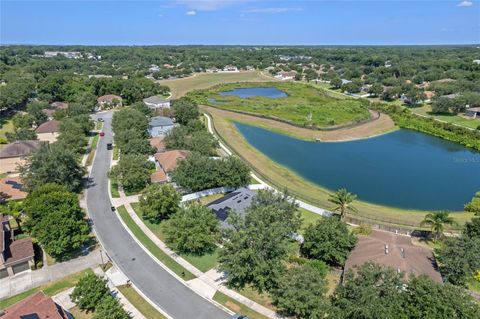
304,106
132,172
198,172
159,202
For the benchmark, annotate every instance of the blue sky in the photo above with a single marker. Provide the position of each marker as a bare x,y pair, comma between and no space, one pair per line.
268,22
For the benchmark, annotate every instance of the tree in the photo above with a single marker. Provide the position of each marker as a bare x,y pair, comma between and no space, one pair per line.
132,172
376,89
370,292
328,240
343,200
22,121
52,164
13,209
301,294
437,221
35,109
472,228
442,104
459,259
192,230
129,118
56,220
256,246
21,135
185,110
159,202
110,307
474,205
336,82
89,292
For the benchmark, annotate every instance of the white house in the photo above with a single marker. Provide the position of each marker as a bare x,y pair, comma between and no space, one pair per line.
230,68
156,102
284,76
160,126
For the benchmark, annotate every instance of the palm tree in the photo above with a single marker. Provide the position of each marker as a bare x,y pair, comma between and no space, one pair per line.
343,200
437,221
15,210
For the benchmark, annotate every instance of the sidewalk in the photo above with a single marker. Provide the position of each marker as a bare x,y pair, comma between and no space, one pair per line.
31,279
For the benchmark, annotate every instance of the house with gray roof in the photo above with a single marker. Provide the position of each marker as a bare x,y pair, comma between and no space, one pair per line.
235,202
156,102
160,126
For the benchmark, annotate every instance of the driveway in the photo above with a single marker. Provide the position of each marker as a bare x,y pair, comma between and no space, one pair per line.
177,300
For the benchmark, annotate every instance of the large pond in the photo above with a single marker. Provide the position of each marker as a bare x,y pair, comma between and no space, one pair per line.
270,92
405,169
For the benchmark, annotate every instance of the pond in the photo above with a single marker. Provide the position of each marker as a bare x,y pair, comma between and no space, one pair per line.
404,168
270,92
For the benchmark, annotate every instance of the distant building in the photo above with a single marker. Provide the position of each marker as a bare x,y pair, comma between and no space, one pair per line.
14,154
473,112
284,76
154,68
230,68
37,306
16,256
109,100
48,131
235,202
394,251
345,81
160,126
476,61
67,54
156,102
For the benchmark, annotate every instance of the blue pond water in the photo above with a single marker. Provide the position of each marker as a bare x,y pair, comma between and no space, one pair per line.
405,169
270,92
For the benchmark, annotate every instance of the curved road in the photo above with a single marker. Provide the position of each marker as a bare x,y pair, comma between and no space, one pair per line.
177,300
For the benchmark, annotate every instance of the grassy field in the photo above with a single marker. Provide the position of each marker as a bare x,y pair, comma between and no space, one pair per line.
454,119
180,87
305,105
141,304
49,289
236,307
80,314
203,263
307,191
7,126
152,247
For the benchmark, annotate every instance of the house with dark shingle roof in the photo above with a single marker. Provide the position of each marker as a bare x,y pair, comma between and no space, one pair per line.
235,202
15,255
37,306
48,131
14,154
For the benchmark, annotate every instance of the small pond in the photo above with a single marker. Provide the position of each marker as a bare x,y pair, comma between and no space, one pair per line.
270,92
404,169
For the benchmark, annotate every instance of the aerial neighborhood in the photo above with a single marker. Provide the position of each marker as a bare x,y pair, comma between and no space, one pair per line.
238,181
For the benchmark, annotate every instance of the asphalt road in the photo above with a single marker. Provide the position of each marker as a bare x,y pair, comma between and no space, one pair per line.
177,300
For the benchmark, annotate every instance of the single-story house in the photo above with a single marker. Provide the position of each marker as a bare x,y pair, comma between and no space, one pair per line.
13,188
237,201
14,154
15,255
230,68
473,112
284,76
159,176
168,161
48,131
37,306
394,251
156,102
158,143
160,126
109,100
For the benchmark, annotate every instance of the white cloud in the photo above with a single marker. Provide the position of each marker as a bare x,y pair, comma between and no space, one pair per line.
465,3
191,13
273,10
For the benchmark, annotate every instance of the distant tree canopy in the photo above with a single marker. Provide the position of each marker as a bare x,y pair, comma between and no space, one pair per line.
198,172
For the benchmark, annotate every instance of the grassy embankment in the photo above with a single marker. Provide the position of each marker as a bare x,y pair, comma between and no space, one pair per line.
152,247
426,110
180,87
304,106
139,303
305,190
49,289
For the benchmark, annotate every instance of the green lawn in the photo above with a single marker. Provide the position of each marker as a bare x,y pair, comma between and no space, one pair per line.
455,119
93,147
49,289
152,247
236,307
203,263
114,188
7,126
141,304
80,314
308,218
305,105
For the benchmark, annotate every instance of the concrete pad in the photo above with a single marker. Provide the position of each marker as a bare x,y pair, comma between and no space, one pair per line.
63,299
116,276
202,288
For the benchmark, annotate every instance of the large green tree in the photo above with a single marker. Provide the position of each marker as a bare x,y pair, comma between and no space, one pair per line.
192,230
256,246
52,164
56,220
329,240
111,308
185,110
301,293
89,292
132,172
159,202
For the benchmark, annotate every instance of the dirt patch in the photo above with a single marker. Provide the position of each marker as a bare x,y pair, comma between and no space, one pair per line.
375,127
232,306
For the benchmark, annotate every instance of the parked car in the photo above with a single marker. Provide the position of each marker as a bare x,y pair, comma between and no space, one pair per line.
109,146
238,316
102,133
100,119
